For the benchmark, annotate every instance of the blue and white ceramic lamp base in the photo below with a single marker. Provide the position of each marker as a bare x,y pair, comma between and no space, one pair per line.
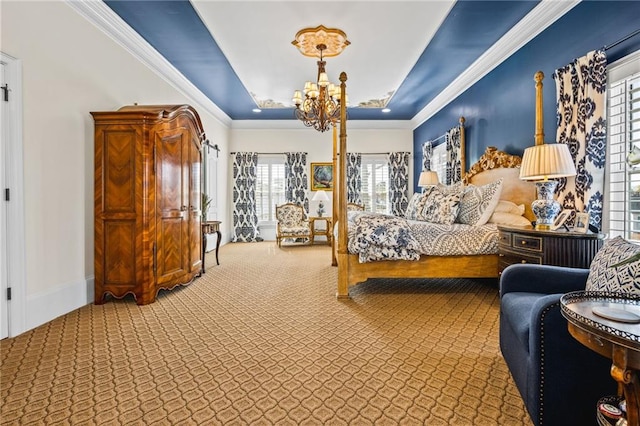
545,207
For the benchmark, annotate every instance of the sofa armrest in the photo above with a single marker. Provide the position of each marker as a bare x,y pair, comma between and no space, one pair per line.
544,279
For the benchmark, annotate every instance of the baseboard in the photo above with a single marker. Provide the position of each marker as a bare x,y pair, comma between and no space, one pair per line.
46,306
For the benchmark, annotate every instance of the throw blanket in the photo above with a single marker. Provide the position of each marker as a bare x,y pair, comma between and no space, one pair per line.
383,237
429,239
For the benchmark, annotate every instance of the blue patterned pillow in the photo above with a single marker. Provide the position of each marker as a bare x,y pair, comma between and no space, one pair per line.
621,279
440,208
416,204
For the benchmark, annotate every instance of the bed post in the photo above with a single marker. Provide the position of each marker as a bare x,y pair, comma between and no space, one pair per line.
343,255
336,186
463,156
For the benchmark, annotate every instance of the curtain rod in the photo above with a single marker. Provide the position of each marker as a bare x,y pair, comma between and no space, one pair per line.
438,138
623,39
261,153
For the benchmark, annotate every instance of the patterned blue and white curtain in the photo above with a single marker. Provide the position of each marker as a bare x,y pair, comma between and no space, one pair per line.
296,185
245,218
398,182
354,177
427,154
454,156
580,89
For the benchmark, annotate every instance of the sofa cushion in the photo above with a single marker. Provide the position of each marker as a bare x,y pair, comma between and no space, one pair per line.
516,309
624,278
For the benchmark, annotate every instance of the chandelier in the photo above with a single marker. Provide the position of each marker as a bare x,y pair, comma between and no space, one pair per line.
320,106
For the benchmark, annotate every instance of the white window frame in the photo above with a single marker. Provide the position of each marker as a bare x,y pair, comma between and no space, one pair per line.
271,160
439,161
617,215
375,160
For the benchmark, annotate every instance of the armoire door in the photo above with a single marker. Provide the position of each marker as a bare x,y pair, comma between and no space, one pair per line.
195,206
172,205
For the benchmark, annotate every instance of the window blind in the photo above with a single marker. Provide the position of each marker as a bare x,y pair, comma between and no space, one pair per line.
375,184
269,186
624,136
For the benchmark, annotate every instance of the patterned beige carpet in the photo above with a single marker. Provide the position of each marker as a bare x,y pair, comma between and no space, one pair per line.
262,340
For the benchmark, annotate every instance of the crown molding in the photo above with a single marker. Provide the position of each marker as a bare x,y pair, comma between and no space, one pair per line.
535,22
297,124
106,20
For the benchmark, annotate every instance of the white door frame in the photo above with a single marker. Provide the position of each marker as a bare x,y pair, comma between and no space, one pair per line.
13,256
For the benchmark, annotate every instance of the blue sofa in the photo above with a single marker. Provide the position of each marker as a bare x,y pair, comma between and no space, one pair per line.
559,379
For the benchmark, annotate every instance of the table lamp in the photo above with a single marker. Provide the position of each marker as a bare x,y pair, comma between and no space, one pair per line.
541,163
320,196
428,178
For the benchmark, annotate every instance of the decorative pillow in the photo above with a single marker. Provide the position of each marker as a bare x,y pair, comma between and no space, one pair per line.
621,279
416,203
509,219
505,206
440,208
454,188
478,203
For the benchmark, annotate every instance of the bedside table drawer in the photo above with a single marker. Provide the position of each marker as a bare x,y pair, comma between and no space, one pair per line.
521,245
504,239
525,242
512,257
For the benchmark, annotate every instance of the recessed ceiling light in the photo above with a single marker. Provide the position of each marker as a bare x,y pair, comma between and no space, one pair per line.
385,110
257,110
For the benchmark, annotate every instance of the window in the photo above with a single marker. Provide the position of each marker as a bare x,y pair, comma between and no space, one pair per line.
624,137
375,183
269,186
439,161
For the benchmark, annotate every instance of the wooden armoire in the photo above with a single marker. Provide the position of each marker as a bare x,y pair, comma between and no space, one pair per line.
147,200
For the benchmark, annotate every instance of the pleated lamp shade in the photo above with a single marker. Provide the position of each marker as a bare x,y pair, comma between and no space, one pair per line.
547,161
427,178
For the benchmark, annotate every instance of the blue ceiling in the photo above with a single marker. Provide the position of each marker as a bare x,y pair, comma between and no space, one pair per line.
175,30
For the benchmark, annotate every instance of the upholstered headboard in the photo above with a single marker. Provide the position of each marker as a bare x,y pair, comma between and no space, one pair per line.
495,164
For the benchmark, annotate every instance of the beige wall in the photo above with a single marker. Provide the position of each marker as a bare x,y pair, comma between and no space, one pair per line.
319,145
69,69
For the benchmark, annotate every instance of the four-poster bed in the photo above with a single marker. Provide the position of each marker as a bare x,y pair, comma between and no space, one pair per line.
492,166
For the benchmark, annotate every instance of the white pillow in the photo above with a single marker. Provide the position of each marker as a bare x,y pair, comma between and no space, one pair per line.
505,206
478,203
509,219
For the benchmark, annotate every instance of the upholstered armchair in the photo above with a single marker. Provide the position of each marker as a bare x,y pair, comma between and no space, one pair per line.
559,379
292,223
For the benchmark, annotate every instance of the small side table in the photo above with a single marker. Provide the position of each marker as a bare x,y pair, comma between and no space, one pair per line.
317,232
617,340
210,227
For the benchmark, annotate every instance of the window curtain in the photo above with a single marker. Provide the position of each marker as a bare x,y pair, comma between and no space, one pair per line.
454,156
398,182
296,181
354,177
245,218
427,154
580,90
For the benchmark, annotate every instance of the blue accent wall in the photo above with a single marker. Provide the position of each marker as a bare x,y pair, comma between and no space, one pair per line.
500,108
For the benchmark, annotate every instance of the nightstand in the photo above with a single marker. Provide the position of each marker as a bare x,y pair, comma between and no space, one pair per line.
559,248
326,231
